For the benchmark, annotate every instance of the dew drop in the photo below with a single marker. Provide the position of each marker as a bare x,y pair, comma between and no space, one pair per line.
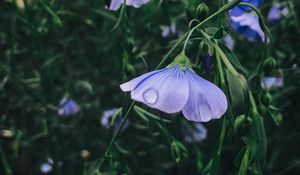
150,96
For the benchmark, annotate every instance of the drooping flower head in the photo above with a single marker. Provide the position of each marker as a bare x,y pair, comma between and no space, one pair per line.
178,88
276,12
255,3
108,119
116,4
68,107
246,22
197,133
271,82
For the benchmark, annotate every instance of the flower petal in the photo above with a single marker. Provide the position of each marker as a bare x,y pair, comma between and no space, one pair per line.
206,101
130,85
115,4
248,25
166,90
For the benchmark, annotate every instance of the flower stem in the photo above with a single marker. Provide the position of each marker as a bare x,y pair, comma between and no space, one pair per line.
226,7
113,140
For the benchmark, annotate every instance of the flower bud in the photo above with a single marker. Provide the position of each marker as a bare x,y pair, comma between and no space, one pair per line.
266,100
202,11
242,125
269,65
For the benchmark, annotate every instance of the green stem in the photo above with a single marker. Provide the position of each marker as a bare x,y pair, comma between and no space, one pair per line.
6,166
216,159
226,7
225,60
252,102
219,66
113,140
164,59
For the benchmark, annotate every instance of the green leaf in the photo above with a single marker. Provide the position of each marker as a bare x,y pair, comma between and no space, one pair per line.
236,91
219,33
231,56
238,159
245,161
259,136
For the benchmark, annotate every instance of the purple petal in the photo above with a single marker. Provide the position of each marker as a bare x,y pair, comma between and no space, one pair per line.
136,3
248,25
206,101
229,42
68,107
115,4
107,119
166,90
271,82
165,31
197,133
130,85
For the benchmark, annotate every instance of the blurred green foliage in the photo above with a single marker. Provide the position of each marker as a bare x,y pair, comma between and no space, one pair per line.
56,48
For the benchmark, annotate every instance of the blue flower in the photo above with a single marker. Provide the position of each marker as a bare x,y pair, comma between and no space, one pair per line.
245,22
207,59
107,119
229,42
47,166
271,82
175,89
68,107
276,12
115,4
167,30
255,3
197,133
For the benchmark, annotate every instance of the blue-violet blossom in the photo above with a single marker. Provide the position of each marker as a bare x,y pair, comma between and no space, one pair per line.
106,119
229,42
271,82
178,88
206,61
167,30
68,107
276,12
47,166
246,22
197,133
116,4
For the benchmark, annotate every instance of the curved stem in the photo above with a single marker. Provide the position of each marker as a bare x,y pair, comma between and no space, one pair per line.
226,7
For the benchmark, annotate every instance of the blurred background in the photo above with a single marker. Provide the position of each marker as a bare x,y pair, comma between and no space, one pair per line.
61,64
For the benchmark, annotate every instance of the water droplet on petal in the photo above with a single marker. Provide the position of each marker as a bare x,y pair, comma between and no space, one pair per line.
150,96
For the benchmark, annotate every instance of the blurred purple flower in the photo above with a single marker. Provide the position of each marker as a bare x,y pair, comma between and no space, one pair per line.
255,3
115,4
271,82
246,23
175,89
197,133
276,12
167,30
207,60
106,119
68,107
47,166
229,42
